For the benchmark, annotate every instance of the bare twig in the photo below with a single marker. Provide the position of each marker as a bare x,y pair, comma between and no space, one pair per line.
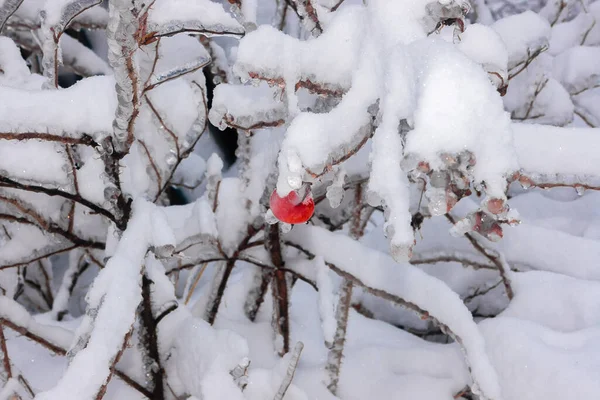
492,255
5,357
47,137
149,339
523,65
113,367
7,182
60,351
289,376
279,289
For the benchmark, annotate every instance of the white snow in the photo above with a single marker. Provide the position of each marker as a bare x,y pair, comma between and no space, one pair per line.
523,34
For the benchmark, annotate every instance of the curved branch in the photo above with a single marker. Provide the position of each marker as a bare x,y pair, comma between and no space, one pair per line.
7,182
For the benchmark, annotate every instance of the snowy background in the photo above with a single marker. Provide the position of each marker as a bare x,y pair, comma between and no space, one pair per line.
153,152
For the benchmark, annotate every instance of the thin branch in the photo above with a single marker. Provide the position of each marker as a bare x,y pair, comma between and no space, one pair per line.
343,158
47,137
36,338
524,64
5,357
113,367
149,339
152,164
279,288
491,255
45,255
7,182
289,376
585,119
48,226
193,31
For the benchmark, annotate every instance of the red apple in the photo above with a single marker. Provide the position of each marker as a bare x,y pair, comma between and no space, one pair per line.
293,208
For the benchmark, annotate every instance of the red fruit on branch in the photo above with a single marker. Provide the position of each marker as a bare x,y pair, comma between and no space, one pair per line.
295,208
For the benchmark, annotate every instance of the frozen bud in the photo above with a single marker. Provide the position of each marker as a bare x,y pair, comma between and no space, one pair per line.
164,251
285,228
335,195
449,160
439,179
171,159
423,166
401,253
294,162
335,192
111,194
294,181
494,233
451,200
580,190
437,202
461,227
495,206
270,218
373,199
410,162
467,158
525,182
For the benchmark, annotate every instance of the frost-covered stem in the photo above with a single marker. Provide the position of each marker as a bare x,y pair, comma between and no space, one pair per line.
289,376
48,137
523,65
33,336
199,127
59,307
7,9
221,278
280,14
121,35
149,340
40,221
240,373
491,255
52,57
113,367
175,73
334,358
7,182
218,289
343,158
279,288
5,357
307,14
121,206
466,259
585,118
256,295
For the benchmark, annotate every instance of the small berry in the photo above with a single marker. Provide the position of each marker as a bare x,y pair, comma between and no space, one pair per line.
293,208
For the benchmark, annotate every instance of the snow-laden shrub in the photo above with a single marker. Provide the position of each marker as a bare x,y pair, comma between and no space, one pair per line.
409,124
